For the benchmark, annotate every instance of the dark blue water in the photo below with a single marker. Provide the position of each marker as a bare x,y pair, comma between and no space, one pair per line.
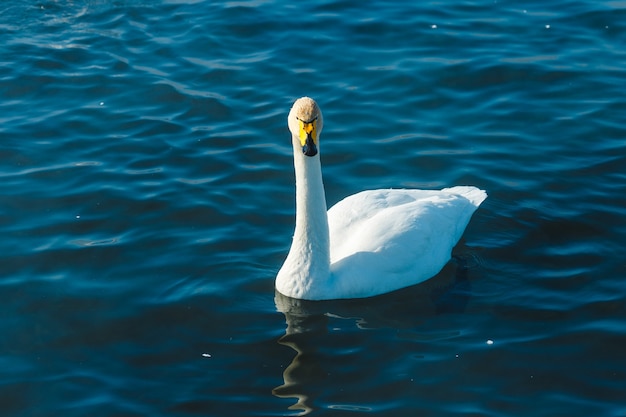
147,202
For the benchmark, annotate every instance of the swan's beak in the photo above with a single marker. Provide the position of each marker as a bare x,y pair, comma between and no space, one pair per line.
308,137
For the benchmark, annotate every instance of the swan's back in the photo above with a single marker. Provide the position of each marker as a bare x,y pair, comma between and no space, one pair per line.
383,240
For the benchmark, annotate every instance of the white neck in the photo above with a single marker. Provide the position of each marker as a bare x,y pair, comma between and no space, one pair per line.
307,268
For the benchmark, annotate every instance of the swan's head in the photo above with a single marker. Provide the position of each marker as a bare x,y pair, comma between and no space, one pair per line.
305,123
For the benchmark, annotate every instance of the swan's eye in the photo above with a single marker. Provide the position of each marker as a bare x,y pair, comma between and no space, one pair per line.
309,122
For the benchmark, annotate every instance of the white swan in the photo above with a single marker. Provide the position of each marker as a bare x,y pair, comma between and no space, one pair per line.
369,243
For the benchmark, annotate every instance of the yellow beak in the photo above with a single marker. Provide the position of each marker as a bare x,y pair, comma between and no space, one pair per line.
308,137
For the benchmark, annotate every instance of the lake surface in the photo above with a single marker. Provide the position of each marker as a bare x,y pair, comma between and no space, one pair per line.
147,203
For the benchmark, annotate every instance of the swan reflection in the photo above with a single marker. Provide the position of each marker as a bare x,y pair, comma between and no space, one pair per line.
332,350
305,370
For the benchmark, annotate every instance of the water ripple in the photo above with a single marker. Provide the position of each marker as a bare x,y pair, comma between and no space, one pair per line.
148,201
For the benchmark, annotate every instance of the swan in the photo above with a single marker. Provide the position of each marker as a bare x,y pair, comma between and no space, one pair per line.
369,243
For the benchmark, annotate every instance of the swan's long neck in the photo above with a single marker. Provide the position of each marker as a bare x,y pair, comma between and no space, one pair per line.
307,267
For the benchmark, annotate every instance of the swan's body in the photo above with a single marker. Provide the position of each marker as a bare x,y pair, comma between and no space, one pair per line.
372,242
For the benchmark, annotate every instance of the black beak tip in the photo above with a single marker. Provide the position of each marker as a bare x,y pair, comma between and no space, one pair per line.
309,150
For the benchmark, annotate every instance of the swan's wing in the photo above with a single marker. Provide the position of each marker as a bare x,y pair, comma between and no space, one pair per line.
381,240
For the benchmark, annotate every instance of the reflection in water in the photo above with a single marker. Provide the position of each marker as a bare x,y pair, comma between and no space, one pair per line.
318,347
305,370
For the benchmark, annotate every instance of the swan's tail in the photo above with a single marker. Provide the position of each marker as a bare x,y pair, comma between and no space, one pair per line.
473,194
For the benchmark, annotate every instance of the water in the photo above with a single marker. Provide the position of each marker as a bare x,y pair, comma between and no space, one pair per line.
147,203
